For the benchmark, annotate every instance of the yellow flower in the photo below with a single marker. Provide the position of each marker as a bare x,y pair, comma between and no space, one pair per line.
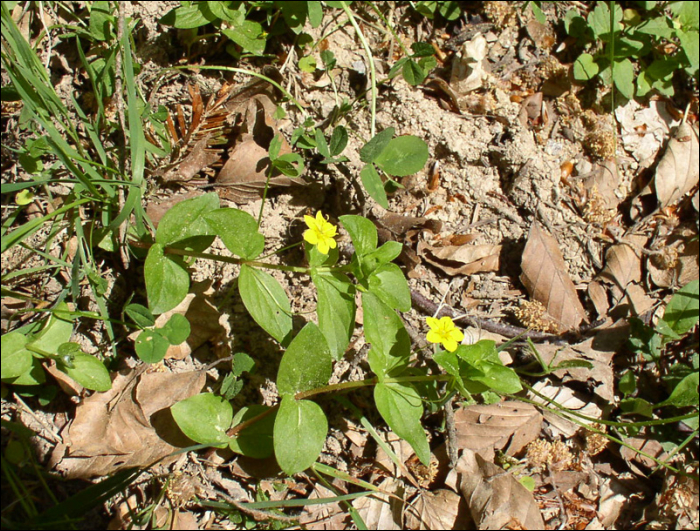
320,233
444,331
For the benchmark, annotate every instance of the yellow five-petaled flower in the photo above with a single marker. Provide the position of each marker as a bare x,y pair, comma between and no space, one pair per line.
444,331
320,233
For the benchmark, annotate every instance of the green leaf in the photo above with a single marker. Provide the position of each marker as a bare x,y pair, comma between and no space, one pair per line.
623,76
389,284
204,418
242,363
537,11
89,372
413,73
362,232
307,363
321,144
499,378
167,280
400,406
685,393
249,35
266,302
184,225
383,255
450,10
384,330
294,13
316,258
682,311
226,11
151,346
275,147
315,11
374,185
141,315
339,140
100,20
627,384
688,15
636,406
404,155
188,17
657,26
177,329
299,433
34,376
290,164
307,64
256,440
57,331
335,309
599,19
372,149
16,359
585,68
238,230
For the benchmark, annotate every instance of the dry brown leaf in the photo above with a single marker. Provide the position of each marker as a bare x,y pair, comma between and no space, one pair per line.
326,516
381,511
547,281
507,426
648,446
567,398
599,297
462,259
157,209
399,224
685,268
495,498
442,509
677,172
129,425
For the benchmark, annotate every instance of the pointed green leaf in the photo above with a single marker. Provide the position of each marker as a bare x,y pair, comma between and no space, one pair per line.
335,309
89,372
307,363
58,330
624,78
300,431
167,280
372,149
238,230
400,406
682,311
389,284
374,185
363,233
384,330
266,302
685,394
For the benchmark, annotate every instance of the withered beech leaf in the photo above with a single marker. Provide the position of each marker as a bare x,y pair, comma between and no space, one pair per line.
547,281
507,426
495,498
677,172
441,509
129,425
462,259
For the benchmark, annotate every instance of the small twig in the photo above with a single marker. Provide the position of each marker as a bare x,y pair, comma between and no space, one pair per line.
54,436
451,434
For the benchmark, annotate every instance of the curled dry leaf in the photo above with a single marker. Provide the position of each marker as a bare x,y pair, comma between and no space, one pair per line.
495,498
569,400
462,259
507,426
547,281
127,426
677,172
678,263
442,509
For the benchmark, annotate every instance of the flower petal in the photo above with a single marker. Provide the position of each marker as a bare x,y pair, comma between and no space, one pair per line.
450,344
456,334
432,322
433,336
311,236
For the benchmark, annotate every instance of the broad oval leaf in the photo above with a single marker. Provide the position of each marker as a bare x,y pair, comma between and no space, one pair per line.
336,310
16,359
384,330
307,363
682,311
404,155
300,431
204,418
389,284
238,230
362,232
58,330
167,280
585,67
151,346
255,440
372,149
184,225
177,329
89,372
400,406
266,302
685,393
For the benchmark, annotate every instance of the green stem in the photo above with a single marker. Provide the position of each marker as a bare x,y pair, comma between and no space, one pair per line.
370,60
391,28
